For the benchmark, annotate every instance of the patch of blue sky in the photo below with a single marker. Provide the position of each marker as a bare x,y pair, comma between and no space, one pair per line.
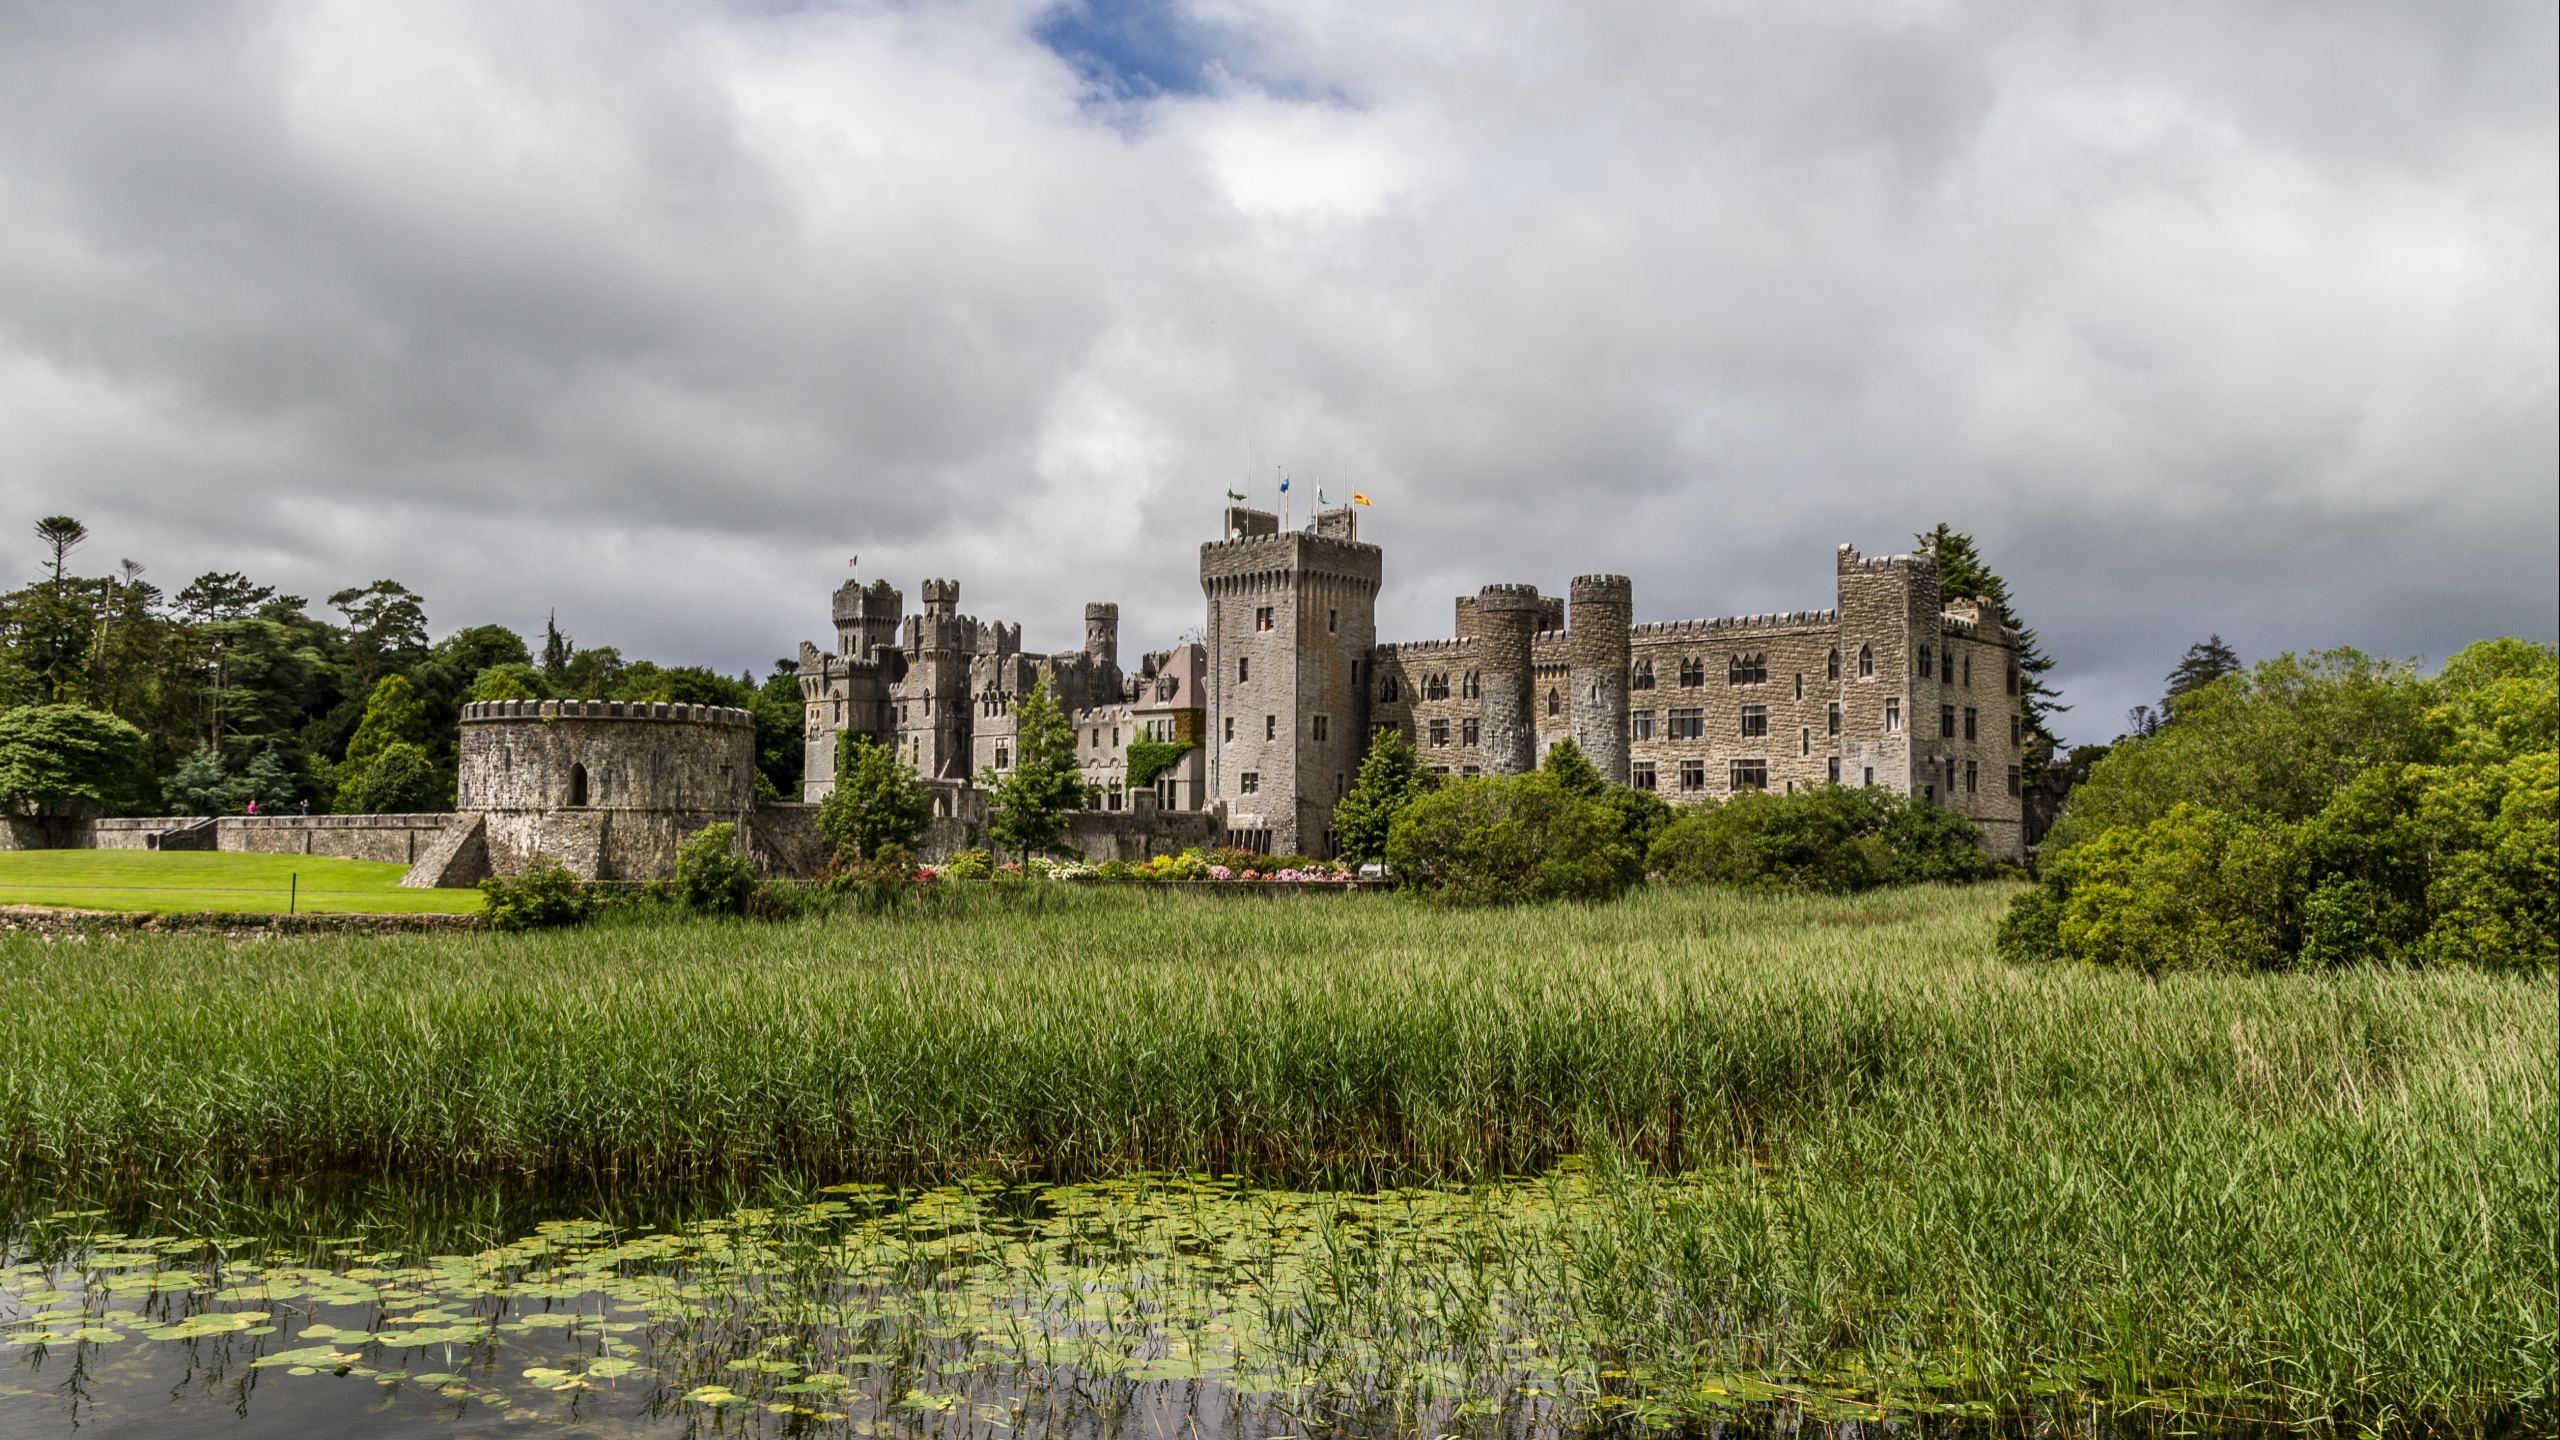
1137,50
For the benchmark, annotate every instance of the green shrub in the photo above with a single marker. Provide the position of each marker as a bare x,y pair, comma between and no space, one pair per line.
1833,838
711,877
969,865
1505,838
544,896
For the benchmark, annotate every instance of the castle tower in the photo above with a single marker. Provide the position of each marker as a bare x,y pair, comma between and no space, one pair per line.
932,699
1603,609
1102,633
1888,615
1506,618
867,619
1292,625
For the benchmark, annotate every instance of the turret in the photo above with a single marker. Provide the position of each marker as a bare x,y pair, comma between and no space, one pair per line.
1102,632
1506,620
1603,609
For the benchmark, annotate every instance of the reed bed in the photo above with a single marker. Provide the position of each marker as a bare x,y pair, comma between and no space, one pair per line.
2318,1196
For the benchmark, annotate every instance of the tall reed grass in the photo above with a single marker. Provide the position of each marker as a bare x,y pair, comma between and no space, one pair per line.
2333,1192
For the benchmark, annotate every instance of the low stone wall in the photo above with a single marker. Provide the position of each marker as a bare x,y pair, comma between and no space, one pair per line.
396,839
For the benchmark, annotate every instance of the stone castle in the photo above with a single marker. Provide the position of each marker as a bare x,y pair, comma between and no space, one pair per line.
1257,729
1889,686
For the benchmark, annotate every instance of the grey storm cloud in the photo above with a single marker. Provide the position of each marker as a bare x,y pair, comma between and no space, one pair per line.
2213,317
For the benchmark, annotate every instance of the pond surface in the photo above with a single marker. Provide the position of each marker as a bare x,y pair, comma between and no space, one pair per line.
1156,1306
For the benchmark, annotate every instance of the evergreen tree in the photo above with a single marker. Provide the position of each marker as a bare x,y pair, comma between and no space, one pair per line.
387,626
70,760
1033,799
1573,770
878,801
2206,661
1392,776
1962,574
392,716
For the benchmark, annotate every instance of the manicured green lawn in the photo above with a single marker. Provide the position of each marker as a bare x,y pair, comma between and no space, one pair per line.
197,880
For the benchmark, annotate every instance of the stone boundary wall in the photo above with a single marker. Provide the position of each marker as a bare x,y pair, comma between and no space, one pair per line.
392,839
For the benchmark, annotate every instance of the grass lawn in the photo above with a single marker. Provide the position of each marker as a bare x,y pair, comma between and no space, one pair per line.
166,881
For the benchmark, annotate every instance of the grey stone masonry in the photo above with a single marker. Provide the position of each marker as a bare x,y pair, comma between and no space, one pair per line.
610,788
1507,619
1597,647
1292,625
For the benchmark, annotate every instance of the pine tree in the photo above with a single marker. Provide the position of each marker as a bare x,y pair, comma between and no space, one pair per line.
1962,574
1033,799
393,716
2206,661
1392,776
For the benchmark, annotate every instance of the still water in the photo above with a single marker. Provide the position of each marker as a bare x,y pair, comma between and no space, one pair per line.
1164,1306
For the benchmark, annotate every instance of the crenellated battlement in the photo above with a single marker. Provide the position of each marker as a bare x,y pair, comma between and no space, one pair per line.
545,711
1851,562
1426,649
1775,620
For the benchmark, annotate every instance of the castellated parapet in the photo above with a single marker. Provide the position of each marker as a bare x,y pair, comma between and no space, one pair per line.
607,787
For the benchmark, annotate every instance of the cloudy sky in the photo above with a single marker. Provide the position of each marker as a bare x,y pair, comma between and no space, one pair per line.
2213,317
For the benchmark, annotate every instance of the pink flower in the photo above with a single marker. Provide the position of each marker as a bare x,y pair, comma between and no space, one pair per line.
1221,872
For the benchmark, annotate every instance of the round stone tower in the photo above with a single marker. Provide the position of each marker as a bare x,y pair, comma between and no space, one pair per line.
1506,624
1604,607
608,788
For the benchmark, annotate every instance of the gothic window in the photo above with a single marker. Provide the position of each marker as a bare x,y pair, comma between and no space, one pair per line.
1832,666
1747,669
1471,732
1471,688
1693,672
1755,721
1866,662
1436,687
1748,775
1926,664
1555,702
1388,690
1640,677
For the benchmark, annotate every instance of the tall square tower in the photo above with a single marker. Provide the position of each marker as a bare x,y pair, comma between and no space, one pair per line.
1291,624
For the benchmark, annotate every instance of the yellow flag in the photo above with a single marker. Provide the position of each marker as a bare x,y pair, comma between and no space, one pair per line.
1359,499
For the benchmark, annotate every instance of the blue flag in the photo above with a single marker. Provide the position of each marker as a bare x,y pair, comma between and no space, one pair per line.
1284,484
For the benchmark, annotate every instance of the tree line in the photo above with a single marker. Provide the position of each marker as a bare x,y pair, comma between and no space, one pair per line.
120,697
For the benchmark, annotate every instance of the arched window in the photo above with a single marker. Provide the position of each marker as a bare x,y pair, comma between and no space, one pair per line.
1866,661
1641,676
1472,688
1555,703
577,784
1835,663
